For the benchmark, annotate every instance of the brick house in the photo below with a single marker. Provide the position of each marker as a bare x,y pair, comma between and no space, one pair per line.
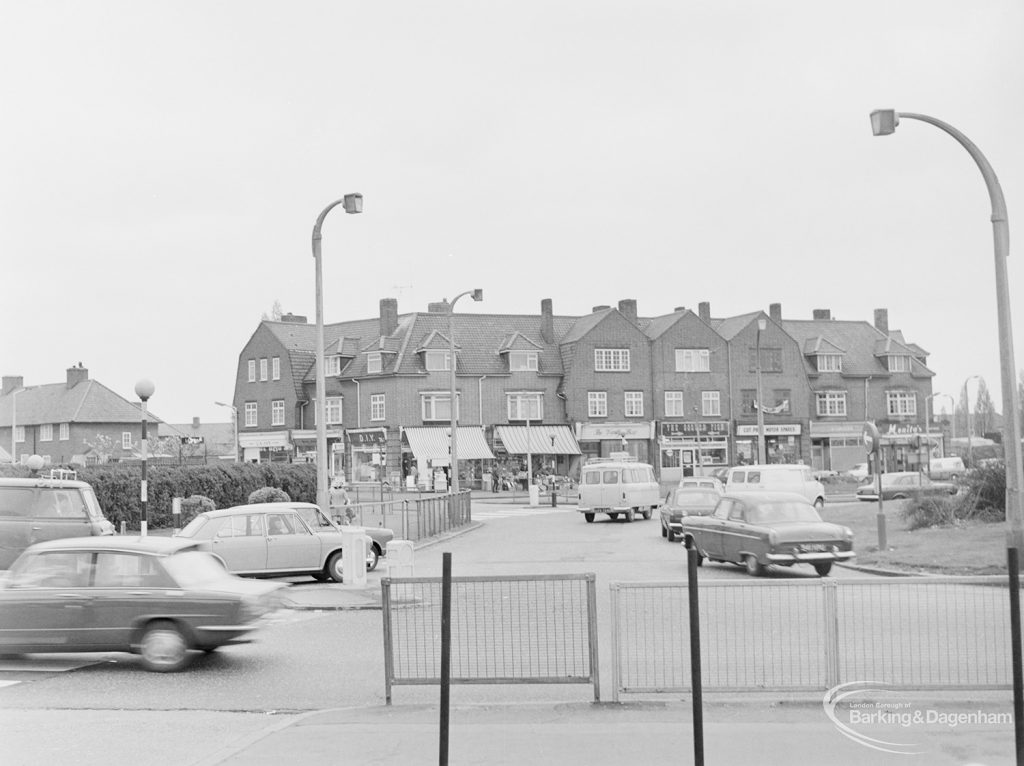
77,422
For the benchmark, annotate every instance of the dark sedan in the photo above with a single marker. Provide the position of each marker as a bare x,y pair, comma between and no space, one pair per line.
903,484
760,529
153,596
686,501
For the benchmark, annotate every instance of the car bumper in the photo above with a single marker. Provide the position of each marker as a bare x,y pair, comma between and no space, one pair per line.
810,557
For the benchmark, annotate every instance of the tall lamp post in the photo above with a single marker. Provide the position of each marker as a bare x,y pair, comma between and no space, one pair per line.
477,295
144,389
970,425
762,325
14,424
883,123
352,203
234,423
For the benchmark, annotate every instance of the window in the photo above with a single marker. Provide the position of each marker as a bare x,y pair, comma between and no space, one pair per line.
611,360
437,406
275,368
332,365
19,433
277,412
831,403
693,360
520,361
126,440
830,363
747,398
901,403
251,411
437,361
597,404
376,406
333,404
525,406
674,404
710,403
634,404
46,432
899,363
374,362
65,432
263,369
771,359
252,370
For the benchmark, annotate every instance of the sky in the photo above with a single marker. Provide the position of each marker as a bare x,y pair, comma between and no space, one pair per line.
163,164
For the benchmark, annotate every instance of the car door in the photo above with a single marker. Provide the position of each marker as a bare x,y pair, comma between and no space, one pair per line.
290,545
47,603
734,531
16,522
57,513
126,587
710,529
241,543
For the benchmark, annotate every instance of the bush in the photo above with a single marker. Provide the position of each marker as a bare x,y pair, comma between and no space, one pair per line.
983,499
986,486
923,512
193,505
269,495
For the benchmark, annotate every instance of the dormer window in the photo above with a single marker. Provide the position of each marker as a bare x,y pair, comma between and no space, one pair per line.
522,361
899,363
333,365
437,361
830,363
374,362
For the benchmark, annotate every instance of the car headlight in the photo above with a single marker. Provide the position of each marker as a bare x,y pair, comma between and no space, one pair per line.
847,533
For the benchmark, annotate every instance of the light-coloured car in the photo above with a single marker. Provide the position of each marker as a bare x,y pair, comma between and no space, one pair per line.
158,597
777,477
279,539
618,487
858,472
686,501
703,482
899,485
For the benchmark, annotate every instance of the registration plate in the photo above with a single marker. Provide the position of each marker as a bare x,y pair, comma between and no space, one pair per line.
809,547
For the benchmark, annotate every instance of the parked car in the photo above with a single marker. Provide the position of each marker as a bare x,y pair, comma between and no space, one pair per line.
279,539
777,477
903,484
686,501
858,472
618,487
721,473
35,510
825,474
946,468
760,529
703,482
157,597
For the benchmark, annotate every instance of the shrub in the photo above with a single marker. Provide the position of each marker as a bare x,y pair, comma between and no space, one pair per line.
193,505
269,495
923,512
986,487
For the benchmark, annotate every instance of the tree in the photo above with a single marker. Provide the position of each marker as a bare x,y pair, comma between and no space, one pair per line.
960,413
102,446
275,312
984,410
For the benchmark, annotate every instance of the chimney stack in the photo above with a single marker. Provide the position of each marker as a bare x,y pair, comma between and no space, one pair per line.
822,314
388,316
438,307
599,308
12,383
704,310
882,320
76,375
775,311
294,318
547,321
627,307
195,422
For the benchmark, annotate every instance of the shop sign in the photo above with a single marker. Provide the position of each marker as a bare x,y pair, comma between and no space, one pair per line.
770,429
901,429
693,428
374,437
592,432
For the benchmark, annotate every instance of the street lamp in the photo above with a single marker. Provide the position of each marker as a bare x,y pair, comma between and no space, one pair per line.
234,423
352,203
762,325
14,423
883,123
970,426
144,389
477,295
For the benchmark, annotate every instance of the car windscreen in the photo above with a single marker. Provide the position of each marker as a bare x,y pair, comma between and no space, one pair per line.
691,498
781,511
193,526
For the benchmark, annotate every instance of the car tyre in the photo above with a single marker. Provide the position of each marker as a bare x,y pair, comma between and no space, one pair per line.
647,514
613,516
321,577
630,515
335,569
823,568
372,557
671,536
163,647
754,568
589,517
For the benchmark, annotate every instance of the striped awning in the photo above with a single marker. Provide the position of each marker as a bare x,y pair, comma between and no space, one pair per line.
543,440
434,443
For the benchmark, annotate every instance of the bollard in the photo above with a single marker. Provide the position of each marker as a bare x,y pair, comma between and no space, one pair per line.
554,498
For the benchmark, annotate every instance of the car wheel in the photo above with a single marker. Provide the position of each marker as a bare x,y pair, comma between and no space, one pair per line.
629,515
335,567
899,496
372,557
613,516
321,577
163,647
671,536
819,504
823,568
754,568
589,517
647,513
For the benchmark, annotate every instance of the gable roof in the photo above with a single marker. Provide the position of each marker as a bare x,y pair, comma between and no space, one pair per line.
88,401
730,327
858,341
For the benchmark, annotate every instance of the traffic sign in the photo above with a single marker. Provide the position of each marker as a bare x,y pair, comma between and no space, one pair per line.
871,438
192,439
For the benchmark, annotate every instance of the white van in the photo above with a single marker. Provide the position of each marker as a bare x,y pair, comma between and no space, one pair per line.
777,477
946,468
618,486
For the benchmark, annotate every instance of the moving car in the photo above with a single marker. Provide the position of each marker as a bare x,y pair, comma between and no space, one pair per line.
703,482
158,597
279,539
903,484
618,486
34,510
760,529
686,501
858,472
777,477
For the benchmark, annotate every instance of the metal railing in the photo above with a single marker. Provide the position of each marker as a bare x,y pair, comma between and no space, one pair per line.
412,518
504,630
911,633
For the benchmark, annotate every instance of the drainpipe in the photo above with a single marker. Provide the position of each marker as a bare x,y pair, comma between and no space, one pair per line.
359,407
480,397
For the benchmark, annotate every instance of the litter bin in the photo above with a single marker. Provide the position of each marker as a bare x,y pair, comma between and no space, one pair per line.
399,558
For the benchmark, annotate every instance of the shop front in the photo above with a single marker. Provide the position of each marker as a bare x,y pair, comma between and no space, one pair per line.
550,450
266,447
837,446
603,439
368,454
426,457
904,446
781,443
304,441
692,448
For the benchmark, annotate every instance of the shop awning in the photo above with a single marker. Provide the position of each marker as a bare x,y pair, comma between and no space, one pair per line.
433,443
543,440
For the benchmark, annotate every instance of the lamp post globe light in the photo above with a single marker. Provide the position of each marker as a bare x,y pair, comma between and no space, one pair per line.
234,424
477,295
762,325
352,203
144,389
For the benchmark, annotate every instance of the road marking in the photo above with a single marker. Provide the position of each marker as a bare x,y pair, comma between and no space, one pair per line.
496,512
